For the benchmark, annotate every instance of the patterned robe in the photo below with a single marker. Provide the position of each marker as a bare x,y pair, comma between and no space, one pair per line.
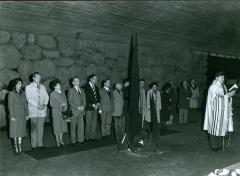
218,115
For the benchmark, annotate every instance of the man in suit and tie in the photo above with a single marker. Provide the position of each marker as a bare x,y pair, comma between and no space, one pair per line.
106,108
92,106
77,102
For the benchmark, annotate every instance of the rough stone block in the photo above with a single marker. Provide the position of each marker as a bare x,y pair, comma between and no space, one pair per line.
4,37
31,39
19,39
51,53
32,52
7,75
64,61
47,42
92,69
47,85
66,46
80,71
10,56
25,68
45,67
62,73
98,58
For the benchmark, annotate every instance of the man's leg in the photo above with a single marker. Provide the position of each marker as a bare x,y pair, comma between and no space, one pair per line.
34,132
80,128
88,125
186,115
181,116
103,123
108,123
40,130
94,124
73,129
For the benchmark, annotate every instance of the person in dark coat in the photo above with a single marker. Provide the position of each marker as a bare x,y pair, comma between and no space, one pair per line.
166,105
92,107
18,113
58,102
183,102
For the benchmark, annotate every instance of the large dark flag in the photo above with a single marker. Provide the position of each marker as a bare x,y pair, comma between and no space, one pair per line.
133,122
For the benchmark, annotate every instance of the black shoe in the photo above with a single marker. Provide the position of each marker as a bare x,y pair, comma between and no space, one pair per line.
34,148
73,143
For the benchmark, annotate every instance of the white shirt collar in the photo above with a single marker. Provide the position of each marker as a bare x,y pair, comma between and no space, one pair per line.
107,88
91,84
77,88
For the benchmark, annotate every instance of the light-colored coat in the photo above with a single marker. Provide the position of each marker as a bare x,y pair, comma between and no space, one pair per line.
158,105
218,114
118,103
194,97
35,98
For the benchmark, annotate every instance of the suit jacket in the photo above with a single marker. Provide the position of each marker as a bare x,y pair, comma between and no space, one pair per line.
75,100
90,98
36,97
118,103
106,101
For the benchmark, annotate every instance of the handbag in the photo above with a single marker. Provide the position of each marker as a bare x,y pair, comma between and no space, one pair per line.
66,115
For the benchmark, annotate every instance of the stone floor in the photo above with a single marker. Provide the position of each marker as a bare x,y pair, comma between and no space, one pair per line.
185,154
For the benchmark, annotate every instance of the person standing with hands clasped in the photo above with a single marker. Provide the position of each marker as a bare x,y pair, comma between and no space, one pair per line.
77,102
58,102
37,98
18,114
92,107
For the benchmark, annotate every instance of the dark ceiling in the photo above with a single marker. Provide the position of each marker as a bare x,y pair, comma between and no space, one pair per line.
202,23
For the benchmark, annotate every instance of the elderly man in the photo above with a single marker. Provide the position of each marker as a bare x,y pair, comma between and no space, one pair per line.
218,114
37,98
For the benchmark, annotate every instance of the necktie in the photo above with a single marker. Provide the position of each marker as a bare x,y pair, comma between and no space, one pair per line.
109,94
94,92
79,91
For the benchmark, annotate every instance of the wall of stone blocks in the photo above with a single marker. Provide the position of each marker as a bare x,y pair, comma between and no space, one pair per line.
63,57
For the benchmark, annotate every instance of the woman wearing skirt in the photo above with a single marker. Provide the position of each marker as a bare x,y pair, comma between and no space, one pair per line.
58,103
18,113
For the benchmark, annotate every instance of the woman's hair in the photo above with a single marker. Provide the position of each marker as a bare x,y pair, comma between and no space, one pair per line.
53,83
152,84
13,83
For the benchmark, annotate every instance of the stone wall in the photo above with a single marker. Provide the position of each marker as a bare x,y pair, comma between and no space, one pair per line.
62,57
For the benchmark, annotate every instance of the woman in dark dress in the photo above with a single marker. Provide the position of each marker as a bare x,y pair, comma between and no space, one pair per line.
166,105
18,114
58,102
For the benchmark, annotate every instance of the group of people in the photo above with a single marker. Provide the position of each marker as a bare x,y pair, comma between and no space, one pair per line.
86,104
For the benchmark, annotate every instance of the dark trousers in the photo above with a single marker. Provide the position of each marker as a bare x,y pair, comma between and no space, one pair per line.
77,125
91,125
119,125
215,142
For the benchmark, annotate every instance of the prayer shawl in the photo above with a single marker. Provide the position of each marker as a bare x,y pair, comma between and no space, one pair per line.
143,105
157,98
218,115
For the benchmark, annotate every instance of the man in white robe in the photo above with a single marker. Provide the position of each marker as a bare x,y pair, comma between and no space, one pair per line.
218,114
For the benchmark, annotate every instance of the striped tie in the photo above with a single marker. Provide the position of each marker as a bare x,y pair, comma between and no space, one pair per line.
94,92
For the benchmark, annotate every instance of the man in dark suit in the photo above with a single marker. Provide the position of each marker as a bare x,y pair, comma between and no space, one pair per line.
77,102
106,108
92,106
